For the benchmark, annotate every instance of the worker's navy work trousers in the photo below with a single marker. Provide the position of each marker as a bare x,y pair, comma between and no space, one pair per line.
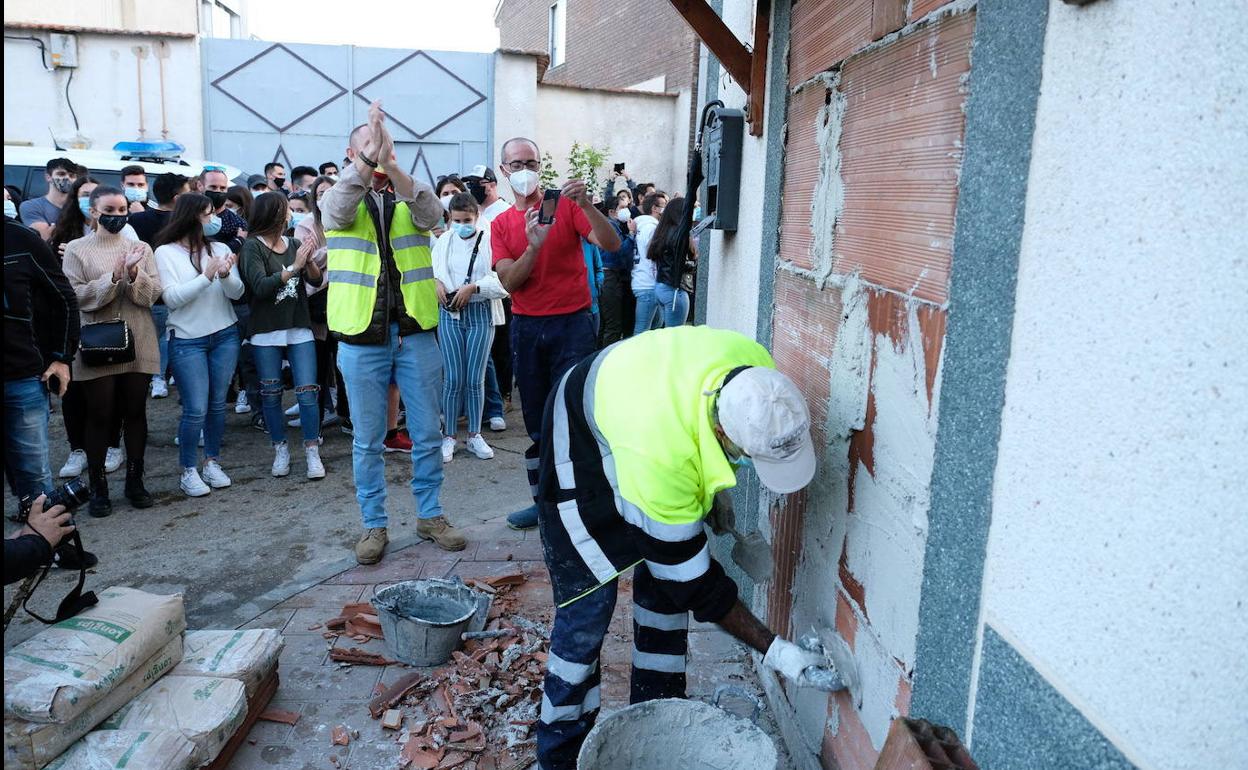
570,693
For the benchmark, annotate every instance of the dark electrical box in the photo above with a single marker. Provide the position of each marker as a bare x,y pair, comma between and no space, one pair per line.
723,167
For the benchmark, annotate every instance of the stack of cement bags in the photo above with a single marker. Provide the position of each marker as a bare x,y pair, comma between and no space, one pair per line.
122,678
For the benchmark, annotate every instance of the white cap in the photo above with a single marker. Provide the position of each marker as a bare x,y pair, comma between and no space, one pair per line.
764,413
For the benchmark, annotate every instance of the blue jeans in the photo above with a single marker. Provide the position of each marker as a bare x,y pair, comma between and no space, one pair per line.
465,343
203,367
303,370
543,348
415,364
493,396
160,316
647,311
26,437
674,304
247,362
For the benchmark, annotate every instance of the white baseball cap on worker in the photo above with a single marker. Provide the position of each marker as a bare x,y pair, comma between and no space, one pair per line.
764,413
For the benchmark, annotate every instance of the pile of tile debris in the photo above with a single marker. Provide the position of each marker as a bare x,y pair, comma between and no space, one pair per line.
476,712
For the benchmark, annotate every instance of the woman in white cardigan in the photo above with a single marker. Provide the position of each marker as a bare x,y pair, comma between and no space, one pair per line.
200,279
468,290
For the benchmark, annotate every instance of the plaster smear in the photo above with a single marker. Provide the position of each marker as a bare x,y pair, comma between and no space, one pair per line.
886,535
829,198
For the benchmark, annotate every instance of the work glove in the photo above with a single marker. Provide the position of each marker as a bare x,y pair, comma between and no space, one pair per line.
722,519
792,661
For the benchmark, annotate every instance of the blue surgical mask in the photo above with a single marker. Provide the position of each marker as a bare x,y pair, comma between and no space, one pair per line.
464,229
10,209
85,205
296,217
136,194
212,226
744,461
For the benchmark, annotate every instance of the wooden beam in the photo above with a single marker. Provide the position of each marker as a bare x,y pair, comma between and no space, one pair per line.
758,67
731,53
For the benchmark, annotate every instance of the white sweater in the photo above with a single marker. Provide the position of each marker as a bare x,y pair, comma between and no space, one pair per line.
644,270
197,306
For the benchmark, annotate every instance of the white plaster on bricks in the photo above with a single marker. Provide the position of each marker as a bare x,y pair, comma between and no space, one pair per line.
829,198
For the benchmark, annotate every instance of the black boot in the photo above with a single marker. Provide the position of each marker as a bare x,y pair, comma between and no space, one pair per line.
100,506
136,493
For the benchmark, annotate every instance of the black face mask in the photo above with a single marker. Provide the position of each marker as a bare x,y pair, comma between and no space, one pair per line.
279,182
478,192
114,223
217,197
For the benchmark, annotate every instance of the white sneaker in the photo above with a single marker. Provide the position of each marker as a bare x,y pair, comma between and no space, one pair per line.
498,424
114,458
295,423
160,388
281,459
213,474
240,404
74,465
316,470
448,449
292,411
192,484
478,447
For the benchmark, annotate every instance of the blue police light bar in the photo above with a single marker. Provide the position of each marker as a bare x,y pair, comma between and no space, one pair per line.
149,150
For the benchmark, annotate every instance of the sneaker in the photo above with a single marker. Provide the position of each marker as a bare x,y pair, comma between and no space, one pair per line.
114,458
525,518
241,406
281,459
448,449
213,474
192,484
346,427
257,422
295,423
478,447
66,557
292,411
443,535
160,388
498,424
399,442
74,465
316,470
370,547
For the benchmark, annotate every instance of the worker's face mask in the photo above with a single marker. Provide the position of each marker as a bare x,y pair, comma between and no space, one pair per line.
743,461
524,182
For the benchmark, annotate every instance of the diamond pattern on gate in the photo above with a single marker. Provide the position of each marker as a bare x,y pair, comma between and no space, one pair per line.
424,97
263,87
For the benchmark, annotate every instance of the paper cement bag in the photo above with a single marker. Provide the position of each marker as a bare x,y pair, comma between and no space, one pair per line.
29,745
206,710
128,750
248,656
66,668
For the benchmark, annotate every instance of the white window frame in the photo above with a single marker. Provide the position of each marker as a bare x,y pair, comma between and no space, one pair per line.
557,32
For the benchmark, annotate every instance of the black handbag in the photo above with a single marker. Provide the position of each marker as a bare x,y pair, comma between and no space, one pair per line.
106,343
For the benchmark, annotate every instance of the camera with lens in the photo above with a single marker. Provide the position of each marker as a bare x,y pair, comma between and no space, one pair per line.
71,494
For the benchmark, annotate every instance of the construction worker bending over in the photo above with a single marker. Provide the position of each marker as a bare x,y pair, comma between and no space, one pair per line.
642,435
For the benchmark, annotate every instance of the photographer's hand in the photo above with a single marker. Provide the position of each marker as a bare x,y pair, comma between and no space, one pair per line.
60,371
52,525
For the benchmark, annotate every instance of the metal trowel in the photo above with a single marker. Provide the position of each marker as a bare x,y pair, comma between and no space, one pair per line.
753,554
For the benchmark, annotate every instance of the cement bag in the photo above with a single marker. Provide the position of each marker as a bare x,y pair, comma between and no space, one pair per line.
128,750
66,668
249,656
206,710
30,745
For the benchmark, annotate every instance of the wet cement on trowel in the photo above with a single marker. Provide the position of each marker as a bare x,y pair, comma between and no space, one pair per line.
677,733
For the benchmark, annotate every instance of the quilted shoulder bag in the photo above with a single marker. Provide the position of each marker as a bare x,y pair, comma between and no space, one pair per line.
106,343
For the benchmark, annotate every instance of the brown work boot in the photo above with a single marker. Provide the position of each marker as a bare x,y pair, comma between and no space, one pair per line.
371,546
441,533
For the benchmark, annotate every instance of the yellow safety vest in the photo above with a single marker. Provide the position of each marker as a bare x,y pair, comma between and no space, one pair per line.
353,262
651,403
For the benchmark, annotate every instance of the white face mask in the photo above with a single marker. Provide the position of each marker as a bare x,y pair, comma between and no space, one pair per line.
446,201
623,215
524,182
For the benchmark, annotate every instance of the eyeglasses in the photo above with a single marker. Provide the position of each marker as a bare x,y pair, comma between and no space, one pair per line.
519,165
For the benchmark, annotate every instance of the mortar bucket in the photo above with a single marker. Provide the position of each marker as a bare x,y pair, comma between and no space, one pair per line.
673,732
422,619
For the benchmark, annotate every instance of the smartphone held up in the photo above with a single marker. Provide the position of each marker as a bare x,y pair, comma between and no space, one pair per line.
550,202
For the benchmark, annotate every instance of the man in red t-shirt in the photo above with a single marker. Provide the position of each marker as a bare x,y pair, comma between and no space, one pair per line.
543,267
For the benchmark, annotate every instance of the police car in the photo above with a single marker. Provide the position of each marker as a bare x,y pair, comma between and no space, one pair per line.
24,167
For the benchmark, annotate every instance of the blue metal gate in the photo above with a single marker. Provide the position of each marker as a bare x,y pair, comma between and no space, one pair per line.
296,103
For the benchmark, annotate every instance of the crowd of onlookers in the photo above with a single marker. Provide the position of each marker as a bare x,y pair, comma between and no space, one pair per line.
325,283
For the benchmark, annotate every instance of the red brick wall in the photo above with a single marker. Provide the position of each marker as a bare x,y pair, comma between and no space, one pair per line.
610,43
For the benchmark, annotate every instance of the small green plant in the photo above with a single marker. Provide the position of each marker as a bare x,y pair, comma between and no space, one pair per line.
584,161
549,177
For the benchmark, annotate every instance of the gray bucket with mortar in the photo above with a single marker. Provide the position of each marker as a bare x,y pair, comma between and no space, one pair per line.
422,619
673,732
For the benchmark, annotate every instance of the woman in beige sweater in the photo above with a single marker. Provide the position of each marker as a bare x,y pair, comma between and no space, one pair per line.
115,278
